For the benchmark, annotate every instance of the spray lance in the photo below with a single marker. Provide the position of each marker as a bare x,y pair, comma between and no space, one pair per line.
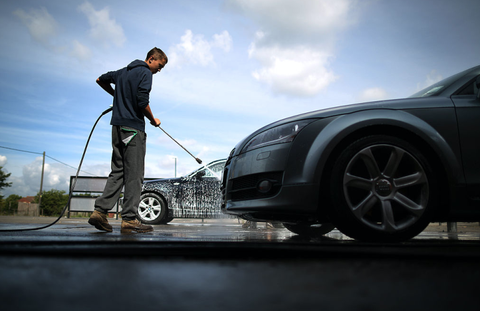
196,159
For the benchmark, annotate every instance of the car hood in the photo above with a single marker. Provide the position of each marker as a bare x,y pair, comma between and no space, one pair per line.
394,104
163,180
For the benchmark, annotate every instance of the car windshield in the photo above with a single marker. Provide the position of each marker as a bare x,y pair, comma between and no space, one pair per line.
211,170
437,88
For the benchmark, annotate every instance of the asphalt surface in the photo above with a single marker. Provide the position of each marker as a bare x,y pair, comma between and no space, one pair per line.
219,265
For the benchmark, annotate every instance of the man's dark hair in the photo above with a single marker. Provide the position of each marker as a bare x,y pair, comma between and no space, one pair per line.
157,54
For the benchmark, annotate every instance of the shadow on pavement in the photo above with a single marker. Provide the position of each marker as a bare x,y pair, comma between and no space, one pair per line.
221,266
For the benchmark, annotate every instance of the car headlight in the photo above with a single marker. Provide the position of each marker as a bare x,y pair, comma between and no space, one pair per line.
281,134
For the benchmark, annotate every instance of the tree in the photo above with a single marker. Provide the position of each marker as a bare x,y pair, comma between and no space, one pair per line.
3,184
3,179
53,202
11,204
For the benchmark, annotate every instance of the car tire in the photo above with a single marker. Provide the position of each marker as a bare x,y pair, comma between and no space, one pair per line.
152,209
309,230
383,190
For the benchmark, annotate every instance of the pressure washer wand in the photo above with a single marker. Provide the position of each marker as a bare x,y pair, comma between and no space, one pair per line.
196,159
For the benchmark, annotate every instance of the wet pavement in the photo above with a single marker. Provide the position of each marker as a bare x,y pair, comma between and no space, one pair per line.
217,264
197,230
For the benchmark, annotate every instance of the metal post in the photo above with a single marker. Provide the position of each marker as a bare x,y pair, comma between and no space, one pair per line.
41,183
452,227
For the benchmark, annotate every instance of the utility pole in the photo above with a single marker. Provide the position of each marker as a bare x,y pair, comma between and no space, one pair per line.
41,183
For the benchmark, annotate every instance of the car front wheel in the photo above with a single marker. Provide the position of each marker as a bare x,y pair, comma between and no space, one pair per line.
152,209
383,190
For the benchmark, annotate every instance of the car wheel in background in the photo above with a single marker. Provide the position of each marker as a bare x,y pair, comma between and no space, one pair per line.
152,209
383,190
309,230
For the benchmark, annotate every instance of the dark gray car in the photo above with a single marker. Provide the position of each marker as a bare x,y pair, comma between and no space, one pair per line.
379,171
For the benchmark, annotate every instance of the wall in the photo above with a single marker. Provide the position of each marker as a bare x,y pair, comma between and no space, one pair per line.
27,209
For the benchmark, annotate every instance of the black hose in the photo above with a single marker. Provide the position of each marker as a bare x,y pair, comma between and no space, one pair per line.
72,187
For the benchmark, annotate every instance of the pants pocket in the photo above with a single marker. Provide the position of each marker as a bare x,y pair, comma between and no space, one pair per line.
127,135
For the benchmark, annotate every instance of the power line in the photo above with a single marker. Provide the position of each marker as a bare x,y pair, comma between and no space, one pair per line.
68,165
40,153
21,150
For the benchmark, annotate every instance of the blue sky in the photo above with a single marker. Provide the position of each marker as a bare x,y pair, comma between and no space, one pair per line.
234,66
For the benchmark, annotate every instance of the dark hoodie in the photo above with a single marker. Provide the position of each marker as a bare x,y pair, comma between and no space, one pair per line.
132,90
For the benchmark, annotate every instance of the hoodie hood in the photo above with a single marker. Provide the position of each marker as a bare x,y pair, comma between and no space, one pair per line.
137,63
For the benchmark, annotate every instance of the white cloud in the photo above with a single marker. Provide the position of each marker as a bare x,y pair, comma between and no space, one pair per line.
104,29
299,70
41,25
223,41
289,21
80,51
55,177
44,29
295,41
163,166
372,94
29,182
3,160
194,49
19,188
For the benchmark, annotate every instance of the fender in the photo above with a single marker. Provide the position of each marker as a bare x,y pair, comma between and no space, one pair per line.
334,130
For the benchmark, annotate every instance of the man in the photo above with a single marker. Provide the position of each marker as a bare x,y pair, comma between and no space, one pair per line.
130,107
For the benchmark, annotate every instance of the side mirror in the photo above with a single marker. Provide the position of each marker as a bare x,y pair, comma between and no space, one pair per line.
200,174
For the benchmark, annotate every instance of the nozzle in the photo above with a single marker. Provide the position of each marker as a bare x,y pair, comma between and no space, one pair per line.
198,160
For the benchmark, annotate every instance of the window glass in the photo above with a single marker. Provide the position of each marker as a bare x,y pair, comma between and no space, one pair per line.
470,89
214,170
438,87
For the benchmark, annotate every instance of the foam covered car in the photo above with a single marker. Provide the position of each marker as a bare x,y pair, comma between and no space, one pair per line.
378,171
196,195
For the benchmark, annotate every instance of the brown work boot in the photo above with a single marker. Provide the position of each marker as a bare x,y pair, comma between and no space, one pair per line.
134,226
99,220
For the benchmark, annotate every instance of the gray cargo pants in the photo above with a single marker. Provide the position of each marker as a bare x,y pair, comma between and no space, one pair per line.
128,168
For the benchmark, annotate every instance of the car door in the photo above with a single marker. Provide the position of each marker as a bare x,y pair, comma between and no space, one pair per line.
208,198
467,106
188,196
200,192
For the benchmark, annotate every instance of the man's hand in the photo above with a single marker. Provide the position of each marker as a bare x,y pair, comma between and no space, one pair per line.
148,113
156,123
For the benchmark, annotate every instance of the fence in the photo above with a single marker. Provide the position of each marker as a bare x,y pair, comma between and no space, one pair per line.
87,189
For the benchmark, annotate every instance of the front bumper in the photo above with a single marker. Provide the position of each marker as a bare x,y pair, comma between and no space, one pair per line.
291,203
283,202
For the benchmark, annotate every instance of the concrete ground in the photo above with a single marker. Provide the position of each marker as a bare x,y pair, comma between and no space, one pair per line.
218,265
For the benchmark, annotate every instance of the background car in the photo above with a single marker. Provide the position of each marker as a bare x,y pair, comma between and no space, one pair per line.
196,195
379,171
